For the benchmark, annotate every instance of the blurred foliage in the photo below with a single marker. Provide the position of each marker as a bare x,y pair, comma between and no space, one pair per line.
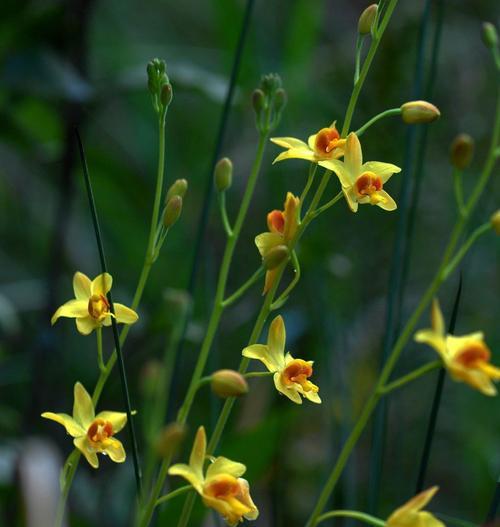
82,63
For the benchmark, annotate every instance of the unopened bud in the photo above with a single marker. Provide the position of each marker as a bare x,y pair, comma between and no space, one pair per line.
280,99
172,211
490,35
275,257
495,222
178,188
169,439
228,383
461,151
366,19
270,83
166,94
223,174
418,112
258,100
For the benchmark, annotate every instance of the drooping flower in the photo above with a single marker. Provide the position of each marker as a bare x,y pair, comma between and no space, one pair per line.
282,228
221,487
291,376
362,182
93,434
90,307
412,515
325,144
467,358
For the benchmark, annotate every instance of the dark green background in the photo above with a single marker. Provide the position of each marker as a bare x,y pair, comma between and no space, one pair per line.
82,63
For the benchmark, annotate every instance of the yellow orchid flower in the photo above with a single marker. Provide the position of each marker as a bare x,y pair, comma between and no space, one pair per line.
90,306
411,514
92,433
290,375
282,227
326,144
221,487
467,358
362,182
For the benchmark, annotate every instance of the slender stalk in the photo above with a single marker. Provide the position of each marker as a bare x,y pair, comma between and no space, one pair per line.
121,362
223,214
241,290
373,120
457,186
173,494
213,324
328,204
366,518
482,229
366,66
310,178
405,379
286,293
254,374
359,47
100,360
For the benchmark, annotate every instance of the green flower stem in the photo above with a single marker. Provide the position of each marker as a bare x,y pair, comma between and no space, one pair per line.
328,204
254,374
284,296
367,518
67,474
223,214
240,291
173,494
366,66
410,325
310,178
457,187
213,323
222,281
146,268
383,115
100,360
359,47
482,229
405,379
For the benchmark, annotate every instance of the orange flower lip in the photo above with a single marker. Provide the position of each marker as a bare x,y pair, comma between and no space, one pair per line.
98,306
298,371
99,431
326,140
473,354
276,221
368,183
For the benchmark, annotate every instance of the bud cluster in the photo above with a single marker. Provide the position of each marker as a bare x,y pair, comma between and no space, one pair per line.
159,86
268,101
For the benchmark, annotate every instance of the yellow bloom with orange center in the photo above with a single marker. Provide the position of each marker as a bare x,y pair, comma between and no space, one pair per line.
467,358
90,307
412,515
93,434
326,144
291,376
362,182
221,486
282,227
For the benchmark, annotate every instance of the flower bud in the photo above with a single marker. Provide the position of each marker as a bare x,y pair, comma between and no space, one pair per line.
366,19
461,151
270,83
229,383
172,211
178,188
223,174
169,439
166,95
490,35
495,221
275,257
258,100
418,112
280,100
